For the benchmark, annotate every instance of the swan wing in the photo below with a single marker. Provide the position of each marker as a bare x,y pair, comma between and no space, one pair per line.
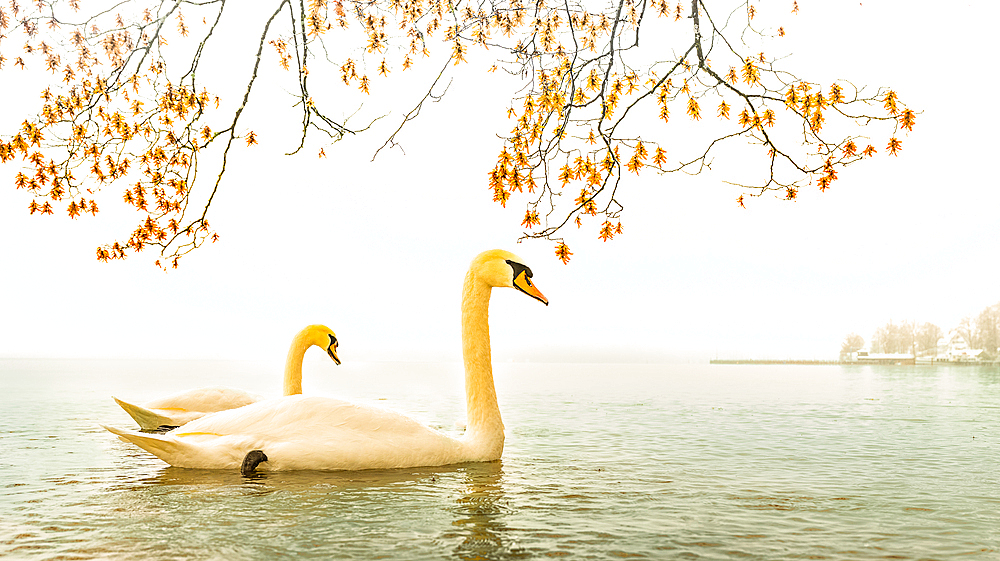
206,400
177,409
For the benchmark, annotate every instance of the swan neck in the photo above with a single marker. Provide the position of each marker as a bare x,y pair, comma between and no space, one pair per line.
293,365
485,427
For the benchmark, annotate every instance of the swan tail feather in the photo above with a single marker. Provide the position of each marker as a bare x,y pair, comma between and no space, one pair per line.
147,419
167,449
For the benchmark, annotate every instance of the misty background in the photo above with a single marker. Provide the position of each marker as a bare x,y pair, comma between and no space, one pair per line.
378,250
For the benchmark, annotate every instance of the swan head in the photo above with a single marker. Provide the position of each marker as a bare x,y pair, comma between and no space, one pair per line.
499,268
323,337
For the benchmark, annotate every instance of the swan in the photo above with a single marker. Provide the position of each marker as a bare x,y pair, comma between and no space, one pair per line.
175,410
299,432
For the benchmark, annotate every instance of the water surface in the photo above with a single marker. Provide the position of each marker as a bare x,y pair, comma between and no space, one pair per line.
602,461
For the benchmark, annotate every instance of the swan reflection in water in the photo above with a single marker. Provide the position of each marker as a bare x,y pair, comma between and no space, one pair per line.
301,480
462,508
481,509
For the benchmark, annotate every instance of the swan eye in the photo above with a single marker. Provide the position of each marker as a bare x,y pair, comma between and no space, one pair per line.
333,341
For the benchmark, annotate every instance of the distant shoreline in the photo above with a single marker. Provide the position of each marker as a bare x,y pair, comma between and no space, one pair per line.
776,361
909,362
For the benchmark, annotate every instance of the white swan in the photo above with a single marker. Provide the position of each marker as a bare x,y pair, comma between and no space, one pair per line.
175,410
297,432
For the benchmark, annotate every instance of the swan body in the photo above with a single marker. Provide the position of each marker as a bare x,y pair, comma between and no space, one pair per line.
298,432
178,409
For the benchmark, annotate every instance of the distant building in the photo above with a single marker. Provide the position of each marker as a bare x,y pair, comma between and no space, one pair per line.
954,348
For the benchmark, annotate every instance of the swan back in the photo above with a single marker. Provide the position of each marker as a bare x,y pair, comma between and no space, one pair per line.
205,400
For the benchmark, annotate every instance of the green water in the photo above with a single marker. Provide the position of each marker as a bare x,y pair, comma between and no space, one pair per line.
601,462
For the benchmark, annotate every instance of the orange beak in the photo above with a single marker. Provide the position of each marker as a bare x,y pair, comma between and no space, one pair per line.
332,350
524,284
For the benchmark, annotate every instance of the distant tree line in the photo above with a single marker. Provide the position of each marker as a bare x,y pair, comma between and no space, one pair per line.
981,332
906,337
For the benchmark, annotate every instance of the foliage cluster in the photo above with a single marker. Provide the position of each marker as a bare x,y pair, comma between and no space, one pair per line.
127,108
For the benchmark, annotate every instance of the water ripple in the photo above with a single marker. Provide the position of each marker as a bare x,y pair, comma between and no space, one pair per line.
666,462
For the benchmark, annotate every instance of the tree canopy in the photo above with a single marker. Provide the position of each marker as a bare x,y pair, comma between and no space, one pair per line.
983,332
852,342
605,91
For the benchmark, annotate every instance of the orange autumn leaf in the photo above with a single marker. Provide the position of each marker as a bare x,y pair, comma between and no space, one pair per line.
751,74
724,110
692,109
836,94
745,119
500,195
633,165
607,231
640,151
531,219
769,117
665,114
889,102
907,119
458,51
895,145
659,157
563,253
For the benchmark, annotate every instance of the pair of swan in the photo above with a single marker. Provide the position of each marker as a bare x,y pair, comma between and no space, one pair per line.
299,432
175,410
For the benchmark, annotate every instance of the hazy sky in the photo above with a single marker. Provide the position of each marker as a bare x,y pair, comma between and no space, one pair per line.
378,251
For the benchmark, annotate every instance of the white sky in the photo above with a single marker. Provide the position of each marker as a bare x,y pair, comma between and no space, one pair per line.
378,251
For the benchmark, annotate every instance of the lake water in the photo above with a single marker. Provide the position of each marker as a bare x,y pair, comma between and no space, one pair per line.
671,461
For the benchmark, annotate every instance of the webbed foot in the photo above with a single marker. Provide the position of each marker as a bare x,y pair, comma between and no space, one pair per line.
251,461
